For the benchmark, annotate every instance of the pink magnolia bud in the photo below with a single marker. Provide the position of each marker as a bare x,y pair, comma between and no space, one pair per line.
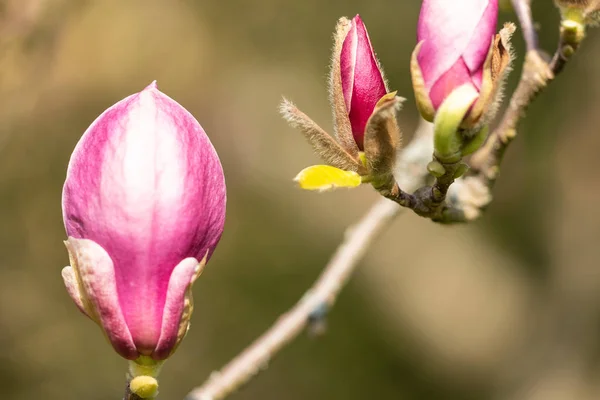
144,208
456,38
362,81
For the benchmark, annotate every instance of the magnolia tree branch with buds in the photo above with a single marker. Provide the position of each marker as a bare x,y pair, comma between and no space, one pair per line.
467,199
144,198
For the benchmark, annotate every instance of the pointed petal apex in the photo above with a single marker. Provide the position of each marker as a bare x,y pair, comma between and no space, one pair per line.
152,86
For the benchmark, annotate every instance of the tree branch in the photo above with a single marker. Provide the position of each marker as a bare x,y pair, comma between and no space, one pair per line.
467,198
523,10
470,195
323,293
128,395
474,193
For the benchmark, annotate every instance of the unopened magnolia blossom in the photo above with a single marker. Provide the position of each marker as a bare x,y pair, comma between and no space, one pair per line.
364,116
144,208
457,46
363,84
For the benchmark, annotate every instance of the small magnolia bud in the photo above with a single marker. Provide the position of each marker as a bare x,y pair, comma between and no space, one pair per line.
574,3
364,116
436,168
455,49
362,80
144,208
581,11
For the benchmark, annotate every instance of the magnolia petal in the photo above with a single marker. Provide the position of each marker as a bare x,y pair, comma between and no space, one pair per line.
341,121
324,145
451,31
363,83
72,285
485,93
96,278
326,177
178,307
457,75
477,49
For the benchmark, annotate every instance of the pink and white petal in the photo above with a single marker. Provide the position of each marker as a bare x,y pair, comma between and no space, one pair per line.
97,275
368,85
476,51
177,302
72,285
447,33
455,77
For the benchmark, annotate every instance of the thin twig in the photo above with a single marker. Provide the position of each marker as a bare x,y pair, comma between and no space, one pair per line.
536,74
485,163
128,395
473,193
324,292
523,10
290,325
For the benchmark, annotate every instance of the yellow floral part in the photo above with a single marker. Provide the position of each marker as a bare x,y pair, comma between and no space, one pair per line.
145,387
326,177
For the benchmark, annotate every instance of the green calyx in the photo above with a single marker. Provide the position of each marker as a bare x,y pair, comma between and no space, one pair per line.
450,143
474,143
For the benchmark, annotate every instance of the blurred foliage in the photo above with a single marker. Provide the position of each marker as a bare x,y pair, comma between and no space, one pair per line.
504,309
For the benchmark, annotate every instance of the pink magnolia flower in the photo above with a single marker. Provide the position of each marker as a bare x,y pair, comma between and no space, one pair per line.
362,81
456,37
144,208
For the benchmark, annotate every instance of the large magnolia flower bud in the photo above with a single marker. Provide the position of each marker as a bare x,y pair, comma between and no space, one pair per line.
144,208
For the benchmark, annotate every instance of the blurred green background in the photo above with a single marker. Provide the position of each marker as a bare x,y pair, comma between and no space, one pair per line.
506,308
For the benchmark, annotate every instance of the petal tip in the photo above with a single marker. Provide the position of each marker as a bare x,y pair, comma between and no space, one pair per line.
152,86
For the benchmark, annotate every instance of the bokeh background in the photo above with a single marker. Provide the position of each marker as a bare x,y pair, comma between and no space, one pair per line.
506,308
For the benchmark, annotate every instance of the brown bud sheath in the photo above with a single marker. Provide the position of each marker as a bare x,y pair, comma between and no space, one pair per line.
382,136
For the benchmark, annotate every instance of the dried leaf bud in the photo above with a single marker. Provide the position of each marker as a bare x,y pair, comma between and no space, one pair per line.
382,137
